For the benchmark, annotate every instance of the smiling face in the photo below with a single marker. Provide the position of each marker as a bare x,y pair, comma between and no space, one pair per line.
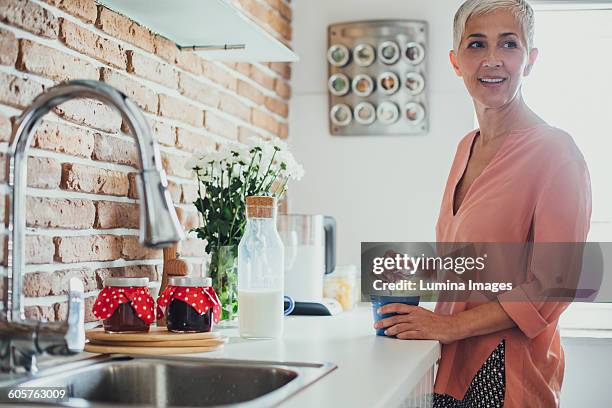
492,58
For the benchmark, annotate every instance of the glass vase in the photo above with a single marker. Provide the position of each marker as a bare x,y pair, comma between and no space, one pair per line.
223,269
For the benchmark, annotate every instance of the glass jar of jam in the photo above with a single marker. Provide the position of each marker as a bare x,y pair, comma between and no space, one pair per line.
125,305
191,305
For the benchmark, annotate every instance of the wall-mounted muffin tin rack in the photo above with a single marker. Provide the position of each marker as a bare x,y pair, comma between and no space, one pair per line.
377,78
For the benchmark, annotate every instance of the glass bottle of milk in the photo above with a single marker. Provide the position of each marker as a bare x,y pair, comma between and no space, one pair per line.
260,272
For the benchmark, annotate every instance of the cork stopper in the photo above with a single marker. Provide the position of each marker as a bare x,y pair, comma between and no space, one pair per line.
260,206
177,267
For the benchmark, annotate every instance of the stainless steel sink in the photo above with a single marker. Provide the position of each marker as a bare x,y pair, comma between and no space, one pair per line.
178,382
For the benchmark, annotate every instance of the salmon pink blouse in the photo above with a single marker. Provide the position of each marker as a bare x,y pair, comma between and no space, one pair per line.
538,176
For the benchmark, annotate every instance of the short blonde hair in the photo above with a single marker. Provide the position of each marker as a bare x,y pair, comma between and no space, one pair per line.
521,9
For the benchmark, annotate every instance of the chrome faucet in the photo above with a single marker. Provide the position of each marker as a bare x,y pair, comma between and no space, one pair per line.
22,340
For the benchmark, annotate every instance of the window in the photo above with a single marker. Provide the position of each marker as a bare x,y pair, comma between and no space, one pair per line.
571,88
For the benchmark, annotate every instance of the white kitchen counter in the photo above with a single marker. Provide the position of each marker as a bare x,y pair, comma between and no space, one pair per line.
373,371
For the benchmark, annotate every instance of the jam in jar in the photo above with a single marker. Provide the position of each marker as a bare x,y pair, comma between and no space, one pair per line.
191,305
125,305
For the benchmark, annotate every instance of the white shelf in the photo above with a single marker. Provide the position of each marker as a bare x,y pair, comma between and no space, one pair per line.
205,23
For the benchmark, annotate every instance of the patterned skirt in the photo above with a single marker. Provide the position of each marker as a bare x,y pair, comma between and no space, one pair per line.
486,389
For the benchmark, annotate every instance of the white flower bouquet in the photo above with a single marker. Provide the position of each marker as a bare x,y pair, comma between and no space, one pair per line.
226,177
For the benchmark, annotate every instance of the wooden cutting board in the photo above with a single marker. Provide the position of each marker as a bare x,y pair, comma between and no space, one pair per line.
155,334
168,343
149,351
158,341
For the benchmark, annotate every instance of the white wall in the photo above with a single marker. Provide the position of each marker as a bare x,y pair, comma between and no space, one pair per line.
378,188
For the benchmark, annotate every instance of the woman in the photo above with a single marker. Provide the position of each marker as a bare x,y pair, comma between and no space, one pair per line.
514,179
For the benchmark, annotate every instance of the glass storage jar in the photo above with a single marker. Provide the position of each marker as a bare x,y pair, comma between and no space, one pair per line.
125,305
338,55
363,85
341,114
364,55
190,304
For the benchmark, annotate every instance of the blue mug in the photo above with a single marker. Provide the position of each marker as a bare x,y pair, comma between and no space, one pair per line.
379,301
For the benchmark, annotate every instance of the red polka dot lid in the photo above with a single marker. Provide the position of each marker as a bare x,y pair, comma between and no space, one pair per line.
133,291
201,296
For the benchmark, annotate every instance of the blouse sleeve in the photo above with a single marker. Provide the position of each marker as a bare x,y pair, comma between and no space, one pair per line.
560,226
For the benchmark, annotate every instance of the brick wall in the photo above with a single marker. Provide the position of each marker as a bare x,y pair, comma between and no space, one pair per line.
82,207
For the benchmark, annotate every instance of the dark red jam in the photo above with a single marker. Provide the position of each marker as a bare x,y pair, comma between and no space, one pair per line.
125,305
124,319
181,317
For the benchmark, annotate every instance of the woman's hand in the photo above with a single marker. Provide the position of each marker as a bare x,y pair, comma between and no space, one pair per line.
415,322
